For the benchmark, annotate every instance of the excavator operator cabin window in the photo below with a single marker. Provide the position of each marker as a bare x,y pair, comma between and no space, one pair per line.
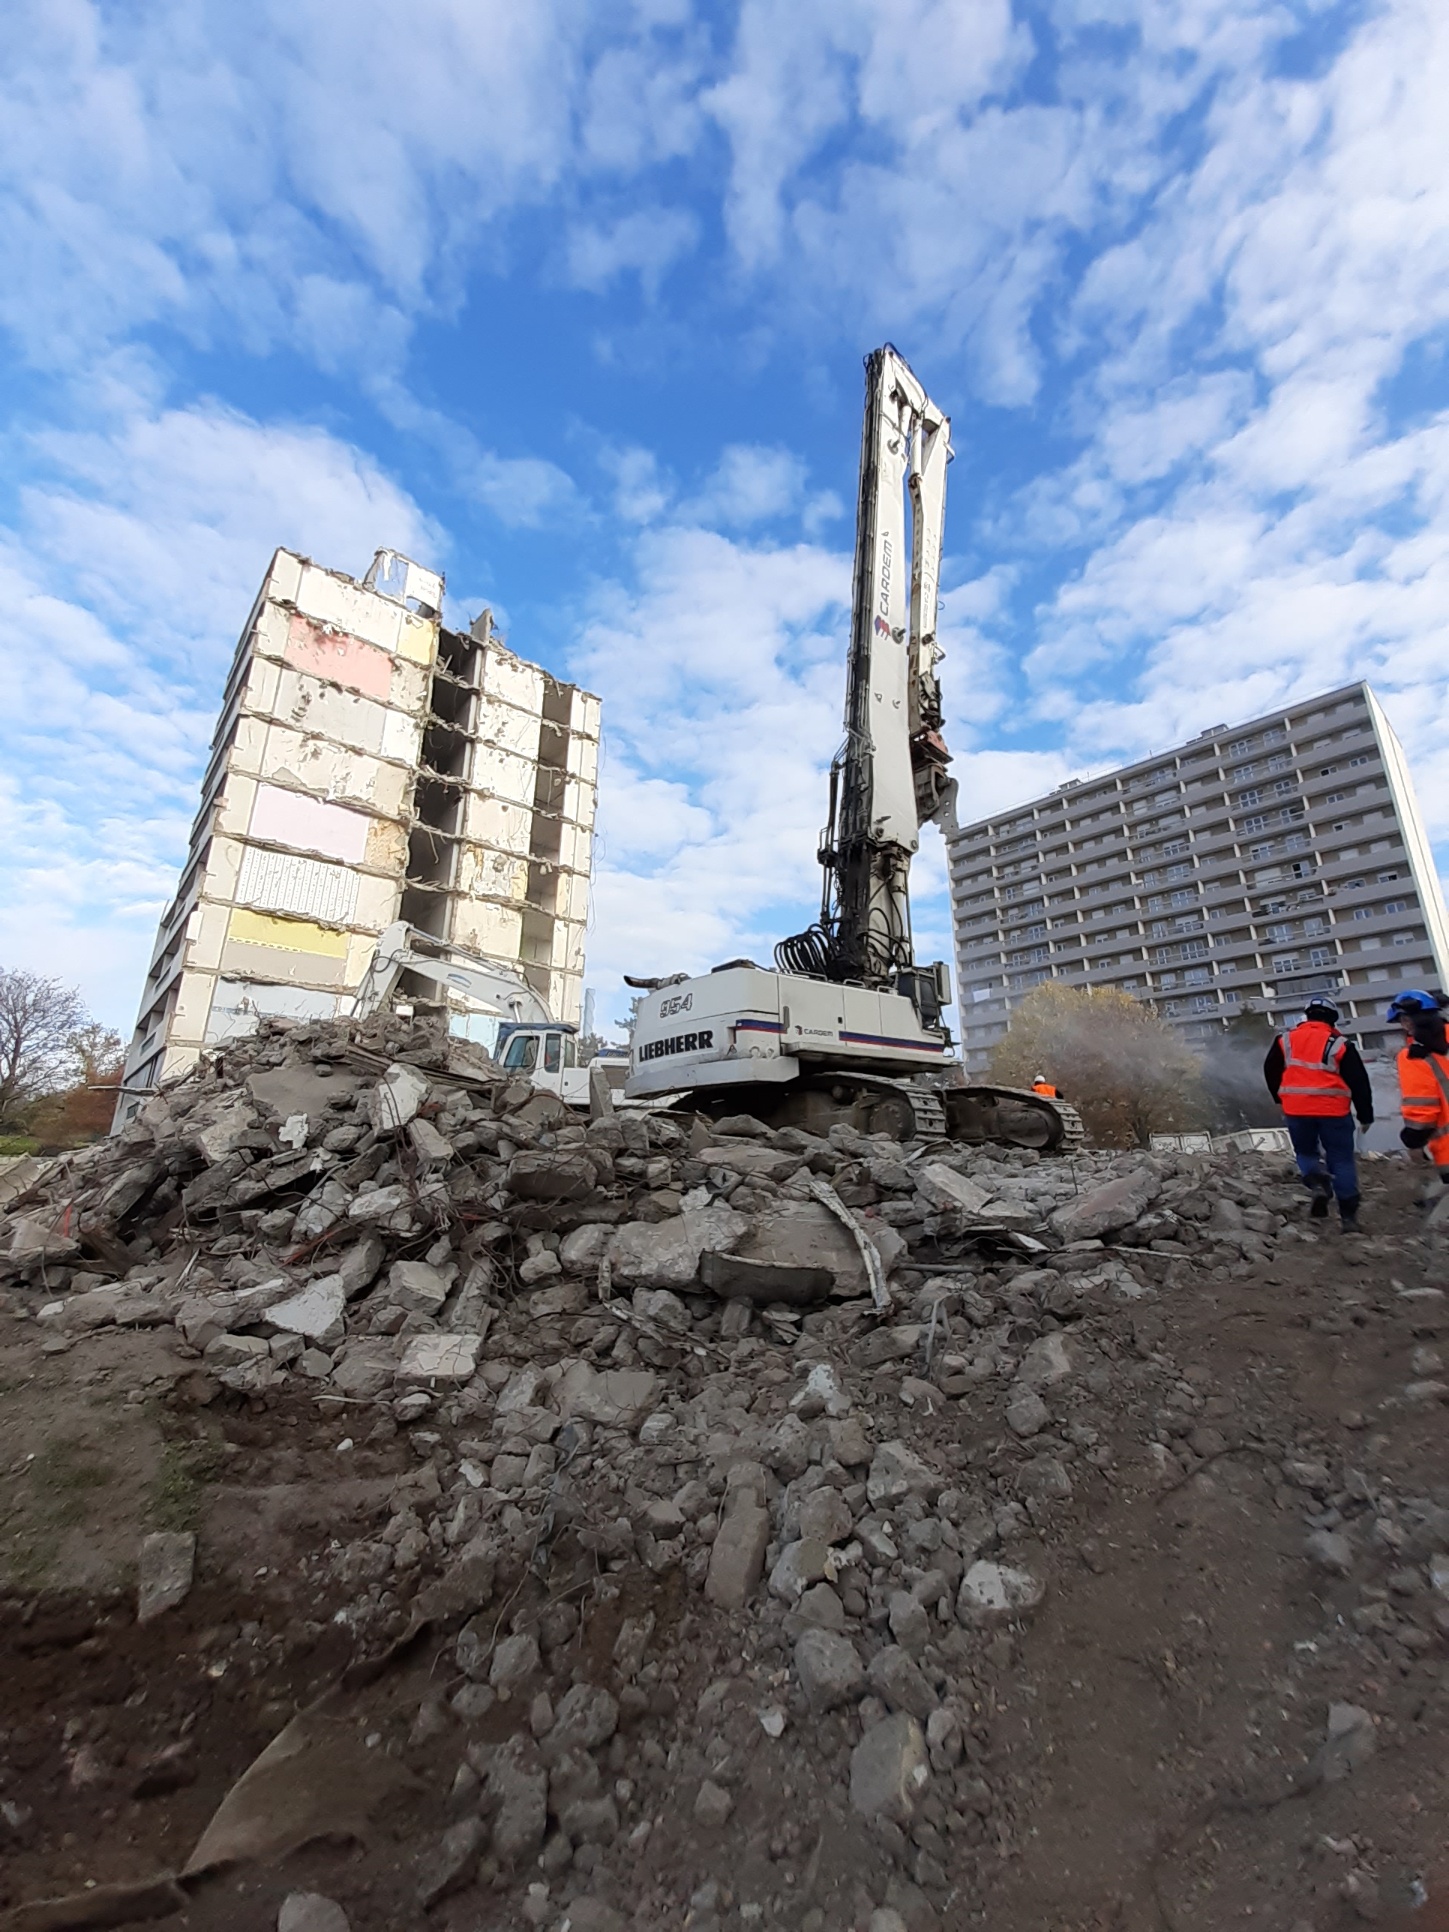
522,1053
571,1050
552,1052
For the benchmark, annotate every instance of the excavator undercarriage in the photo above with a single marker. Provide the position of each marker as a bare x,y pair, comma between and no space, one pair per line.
906,1110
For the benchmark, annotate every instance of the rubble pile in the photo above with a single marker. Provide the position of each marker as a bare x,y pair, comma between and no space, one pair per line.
739,1459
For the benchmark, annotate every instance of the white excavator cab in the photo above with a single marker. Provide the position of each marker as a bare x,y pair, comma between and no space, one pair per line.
546,1055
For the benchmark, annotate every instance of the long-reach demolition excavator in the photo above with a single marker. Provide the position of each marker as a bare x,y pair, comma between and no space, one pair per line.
848,1027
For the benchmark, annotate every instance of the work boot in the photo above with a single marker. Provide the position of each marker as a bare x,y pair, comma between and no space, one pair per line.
1348,1214
1322,1189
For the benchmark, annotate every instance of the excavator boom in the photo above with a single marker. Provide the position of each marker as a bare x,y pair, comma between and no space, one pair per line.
889,775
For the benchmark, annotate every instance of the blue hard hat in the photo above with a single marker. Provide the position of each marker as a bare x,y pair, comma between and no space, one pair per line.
1412,1001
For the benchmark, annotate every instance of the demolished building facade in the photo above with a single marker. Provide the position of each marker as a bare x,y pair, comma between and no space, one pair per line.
369,765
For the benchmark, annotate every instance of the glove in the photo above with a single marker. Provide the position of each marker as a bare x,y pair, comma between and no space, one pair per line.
1416,1136
1365,1121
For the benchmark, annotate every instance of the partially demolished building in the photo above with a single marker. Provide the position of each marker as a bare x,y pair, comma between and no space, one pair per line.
370,765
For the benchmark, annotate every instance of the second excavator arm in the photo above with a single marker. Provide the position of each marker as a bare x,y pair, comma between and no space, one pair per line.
493,984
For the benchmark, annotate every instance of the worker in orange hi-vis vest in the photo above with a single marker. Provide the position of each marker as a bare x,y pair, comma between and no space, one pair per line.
1319,1080
1040,1084
1424,1075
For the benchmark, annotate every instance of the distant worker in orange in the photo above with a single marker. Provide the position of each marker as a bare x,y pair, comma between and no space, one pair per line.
1424,1075
1040,1084
1318,1079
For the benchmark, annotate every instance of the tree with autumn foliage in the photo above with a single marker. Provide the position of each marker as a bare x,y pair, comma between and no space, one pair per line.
1128,1073
83,1106
59,1070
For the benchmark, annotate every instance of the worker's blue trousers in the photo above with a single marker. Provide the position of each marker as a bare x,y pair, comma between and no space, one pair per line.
1333,1134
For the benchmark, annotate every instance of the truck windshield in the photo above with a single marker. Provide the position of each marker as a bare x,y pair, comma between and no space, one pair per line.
521,1053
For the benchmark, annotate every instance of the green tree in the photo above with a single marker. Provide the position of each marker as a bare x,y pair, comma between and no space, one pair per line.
1126,1072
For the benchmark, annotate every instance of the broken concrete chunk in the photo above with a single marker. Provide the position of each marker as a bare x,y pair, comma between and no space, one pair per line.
800,1564
736,1277
829,1668
1049,1360
849,1444
1109,1208
737,1560
997,1593
125,1903
234,1351
439,1358
514,1661
1350,1742
167,1567
823,1394
825,1517
368,1366
581,1251
805,1235
322,1210
944,1188
712,1806
396,1098
416,1286
1026,1413
889,1769
358,1267
666,1254
546,1174
538,1267
897,1472
380,1203
587,1716
311,1912
899,1682
450,1866
616,1398
218,1136
1331,1551
750,1158
910,1623
520,1785
313,1311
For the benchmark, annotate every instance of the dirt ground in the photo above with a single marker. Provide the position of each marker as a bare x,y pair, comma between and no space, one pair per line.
1144,1748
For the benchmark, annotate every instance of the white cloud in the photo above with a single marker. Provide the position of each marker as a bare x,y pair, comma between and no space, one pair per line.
750,485
307,173
722,668
648,241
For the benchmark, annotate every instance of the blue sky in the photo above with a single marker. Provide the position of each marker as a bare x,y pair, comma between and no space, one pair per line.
571,300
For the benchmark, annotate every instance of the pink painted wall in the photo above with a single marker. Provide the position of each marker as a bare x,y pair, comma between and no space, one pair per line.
345,660
309,824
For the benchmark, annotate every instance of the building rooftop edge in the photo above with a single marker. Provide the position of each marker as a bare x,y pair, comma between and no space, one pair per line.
1118,771
360,583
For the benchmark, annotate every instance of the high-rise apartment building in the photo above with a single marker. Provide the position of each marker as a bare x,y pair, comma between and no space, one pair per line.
1238,873
370,765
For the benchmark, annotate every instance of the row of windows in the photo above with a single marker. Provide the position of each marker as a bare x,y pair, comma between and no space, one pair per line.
1269,739
1103,807
1260,851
